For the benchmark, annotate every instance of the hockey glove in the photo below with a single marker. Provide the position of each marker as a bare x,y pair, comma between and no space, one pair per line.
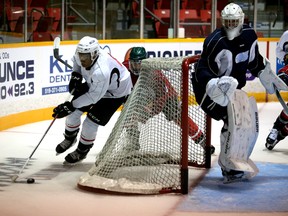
82,89
63,110
285,59
269,79
75,82
220,90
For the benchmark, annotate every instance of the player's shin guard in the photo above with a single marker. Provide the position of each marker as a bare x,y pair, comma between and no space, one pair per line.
194,132
197,135
79,154
69,141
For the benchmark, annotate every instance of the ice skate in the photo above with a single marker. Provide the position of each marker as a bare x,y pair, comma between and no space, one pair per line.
272,139
201,141
68,142
75,157
212,149
64,145
78,155
233,176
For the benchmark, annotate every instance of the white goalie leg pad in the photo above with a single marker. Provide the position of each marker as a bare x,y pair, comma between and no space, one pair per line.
238,141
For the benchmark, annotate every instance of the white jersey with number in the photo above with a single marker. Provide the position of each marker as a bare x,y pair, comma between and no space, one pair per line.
107,78
282,46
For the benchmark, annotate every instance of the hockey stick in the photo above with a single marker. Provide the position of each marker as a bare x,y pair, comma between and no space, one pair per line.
56,55
56,52
16,176
282,102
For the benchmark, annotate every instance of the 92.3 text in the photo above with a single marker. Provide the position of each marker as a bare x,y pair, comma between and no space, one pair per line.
16,90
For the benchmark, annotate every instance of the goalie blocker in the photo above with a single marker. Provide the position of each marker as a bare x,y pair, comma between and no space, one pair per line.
270,80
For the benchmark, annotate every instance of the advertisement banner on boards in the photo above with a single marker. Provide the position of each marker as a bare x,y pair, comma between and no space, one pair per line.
31,71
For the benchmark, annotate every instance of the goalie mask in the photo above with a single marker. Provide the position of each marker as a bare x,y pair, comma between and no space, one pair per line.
232,20
137,54
87,50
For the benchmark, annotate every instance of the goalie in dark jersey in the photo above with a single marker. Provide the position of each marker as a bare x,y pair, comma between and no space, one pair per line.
227,54
165,95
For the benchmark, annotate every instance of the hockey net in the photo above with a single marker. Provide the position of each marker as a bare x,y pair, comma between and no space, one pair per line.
159,134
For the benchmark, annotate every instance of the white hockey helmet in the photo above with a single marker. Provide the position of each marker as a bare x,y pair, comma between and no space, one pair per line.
232,20
88,45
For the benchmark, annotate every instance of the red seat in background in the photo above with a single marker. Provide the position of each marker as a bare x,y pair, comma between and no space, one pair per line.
160,28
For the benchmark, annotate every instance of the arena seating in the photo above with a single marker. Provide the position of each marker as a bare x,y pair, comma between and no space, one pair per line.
162,28
191,18
42,21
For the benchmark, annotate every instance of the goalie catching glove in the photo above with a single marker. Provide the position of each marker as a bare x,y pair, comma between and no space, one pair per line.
220,90
270,80
63,110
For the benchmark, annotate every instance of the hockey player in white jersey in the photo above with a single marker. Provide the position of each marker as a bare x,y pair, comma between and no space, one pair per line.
280,126
106,87
227,54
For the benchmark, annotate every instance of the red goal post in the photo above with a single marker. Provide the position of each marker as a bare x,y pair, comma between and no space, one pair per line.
188,67
160,135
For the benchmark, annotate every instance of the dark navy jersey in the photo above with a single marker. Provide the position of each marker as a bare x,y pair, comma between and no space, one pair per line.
223,57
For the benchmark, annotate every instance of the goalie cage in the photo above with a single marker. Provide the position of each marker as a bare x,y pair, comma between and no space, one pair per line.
147,150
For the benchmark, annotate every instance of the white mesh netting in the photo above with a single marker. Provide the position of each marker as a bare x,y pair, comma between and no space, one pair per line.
143,152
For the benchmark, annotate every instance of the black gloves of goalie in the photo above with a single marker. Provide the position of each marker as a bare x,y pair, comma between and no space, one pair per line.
76,84
63,110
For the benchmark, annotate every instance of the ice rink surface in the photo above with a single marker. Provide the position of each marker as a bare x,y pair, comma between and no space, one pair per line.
55,191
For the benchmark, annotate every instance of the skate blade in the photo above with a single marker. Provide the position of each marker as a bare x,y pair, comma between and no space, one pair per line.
72,164
234,179
270,147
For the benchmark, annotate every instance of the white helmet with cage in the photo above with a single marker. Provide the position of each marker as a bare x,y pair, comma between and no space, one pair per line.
232,20
88,45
